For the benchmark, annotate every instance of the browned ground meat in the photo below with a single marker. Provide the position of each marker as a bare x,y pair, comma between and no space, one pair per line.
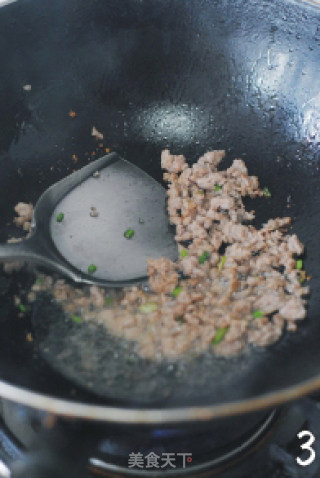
247,295
162,275
23,220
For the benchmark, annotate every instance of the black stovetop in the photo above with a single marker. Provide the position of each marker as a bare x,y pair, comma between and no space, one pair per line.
272,454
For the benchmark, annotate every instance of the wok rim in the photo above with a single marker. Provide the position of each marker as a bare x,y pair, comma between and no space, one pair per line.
136,416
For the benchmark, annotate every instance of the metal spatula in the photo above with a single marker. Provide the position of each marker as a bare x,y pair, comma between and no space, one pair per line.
113,218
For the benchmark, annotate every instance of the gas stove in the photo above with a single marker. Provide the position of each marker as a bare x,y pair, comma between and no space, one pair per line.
284,444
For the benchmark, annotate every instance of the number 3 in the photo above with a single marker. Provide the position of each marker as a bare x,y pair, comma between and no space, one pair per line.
307,446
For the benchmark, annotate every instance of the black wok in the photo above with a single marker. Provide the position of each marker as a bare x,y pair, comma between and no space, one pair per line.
188,75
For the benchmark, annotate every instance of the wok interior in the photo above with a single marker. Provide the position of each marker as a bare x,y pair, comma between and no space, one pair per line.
190,76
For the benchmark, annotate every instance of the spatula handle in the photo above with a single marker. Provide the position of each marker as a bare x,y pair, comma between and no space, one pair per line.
19,251
33,250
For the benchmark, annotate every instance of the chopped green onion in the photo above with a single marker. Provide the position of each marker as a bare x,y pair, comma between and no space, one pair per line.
39,281
200,191
184,253
266,192
92,268
205,256
258,314
221,262
219,335
77,319
108,300
60,217
148,307
176,291
299,264
217,187
180,319
129,233
22,308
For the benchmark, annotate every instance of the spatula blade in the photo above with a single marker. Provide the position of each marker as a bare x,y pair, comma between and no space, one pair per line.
98,212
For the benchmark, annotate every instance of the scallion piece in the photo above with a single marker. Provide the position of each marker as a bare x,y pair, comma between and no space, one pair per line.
184,253
220,333
108,301
221,262
205,256
92,268
77,319
148,307
129,233
299,264
22,308
176,291
266,192
217,187
258,314
60,217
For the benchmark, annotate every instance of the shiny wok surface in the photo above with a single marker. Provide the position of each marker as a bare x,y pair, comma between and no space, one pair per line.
185,75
